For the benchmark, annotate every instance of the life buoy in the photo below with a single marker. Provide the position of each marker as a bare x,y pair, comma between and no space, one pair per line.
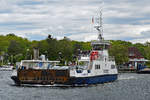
94,55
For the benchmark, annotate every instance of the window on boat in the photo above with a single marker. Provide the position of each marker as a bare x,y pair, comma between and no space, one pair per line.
100,47
97,66
79,71
106,71
41,65
89,71
112,66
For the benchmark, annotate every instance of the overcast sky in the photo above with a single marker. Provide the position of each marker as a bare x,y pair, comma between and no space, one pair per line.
34,19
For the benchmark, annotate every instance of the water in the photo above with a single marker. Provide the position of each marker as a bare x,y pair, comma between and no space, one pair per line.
129,86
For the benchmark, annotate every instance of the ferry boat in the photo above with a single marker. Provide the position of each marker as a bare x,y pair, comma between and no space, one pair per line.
93,68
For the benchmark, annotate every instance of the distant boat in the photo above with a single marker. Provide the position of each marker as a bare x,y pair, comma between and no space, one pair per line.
6,68
144,71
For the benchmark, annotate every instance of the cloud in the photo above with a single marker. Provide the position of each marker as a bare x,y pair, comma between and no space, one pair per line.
123,19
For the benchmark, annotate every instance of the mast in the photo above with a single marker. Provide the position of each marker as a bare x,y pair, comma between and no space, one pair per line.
99,26
100,44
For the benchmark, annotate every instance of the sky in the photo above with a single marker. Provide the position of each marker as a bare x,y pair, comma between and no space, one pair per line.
34,19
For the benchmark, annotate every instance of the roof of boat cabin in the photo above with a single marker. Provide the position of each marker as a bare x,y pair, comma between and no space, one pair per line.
39,61
100,43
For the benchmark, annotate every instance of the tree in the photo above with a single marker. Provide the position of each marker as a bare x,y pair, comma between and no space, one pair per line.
14,49
66,48
51,48
120,52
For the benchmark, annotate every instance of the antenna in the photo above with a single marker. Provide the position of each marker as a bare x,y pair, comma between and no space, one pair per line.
99,27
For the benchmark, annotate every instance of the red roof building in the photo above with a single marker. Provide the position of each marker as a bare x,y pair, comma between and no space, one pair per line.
133,52
135,58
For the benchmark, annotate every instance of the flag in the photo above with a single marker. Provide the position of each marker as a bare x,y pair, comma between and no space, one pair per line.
92,20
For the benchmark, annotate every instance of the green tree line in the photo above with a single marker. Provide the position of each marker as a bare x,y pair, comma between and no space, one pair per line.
14,49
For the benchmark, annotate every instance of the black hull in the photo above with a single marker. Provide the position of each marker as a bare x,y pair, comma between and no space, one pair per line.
16,80
143,72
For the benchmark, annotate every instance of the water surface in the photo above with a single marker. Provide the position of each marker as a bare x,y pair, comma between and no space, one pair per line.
129,86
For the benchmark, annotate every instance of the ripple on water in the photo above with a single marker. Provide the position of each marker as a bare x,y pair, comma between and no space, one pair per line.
126,77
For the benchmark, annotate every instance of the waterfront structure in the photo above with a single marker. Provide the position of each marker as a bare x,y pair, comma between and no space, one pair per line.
135,58
136,61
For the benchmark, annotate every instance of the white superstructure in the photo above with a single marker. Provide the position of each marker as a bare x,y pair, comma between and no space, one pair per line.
98,62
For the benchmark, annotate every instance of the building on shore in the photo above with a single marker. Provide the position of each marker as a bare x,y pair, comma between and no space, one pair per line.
136,61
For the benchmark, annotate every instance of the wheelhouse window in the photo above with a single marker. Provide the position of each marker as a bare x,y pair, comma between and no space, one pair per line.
100,47
97,66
